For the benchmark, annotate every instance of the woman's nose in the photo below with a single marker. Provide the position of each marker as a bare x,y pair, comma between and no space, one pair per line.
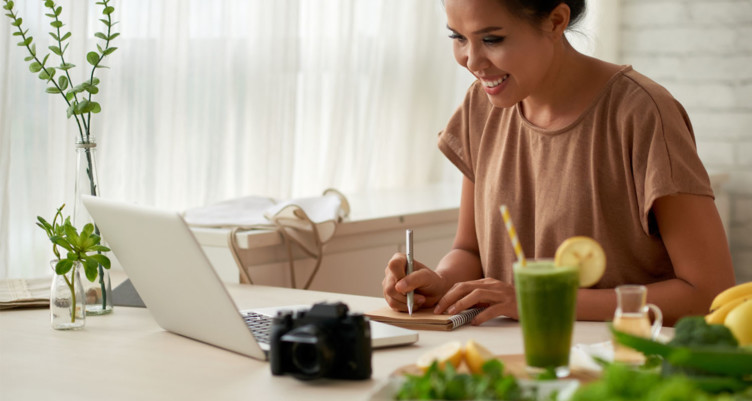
475,59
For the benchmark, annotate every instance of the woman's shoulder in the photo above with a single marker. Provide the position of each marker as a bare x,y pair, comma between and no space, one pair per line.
636,90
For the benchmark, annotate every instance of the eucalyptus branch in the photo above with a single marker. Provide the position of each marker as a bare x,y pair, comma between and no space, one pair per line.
60,51
37,66
76,107
106,11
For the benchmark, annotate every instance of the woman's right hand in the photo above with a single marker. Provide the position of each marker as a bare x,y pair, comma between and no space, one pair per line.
427,285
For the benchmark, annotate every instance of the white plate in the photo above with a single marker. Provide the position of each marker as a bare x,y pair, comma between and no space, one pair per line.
566,388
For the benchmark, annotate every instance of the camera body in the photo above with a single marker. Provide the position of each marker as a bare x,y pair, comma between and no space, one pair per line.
325,341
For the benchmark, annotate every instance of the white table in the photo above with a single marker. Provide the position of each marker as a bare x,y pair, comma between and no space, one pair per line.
127,356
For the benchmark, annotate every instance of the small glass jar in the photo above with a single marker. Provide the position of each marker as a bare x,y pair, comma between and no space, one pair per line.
67,301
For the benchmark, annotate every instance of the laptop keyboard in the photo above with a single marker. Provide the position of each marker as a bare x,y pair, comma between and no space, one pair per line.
260,325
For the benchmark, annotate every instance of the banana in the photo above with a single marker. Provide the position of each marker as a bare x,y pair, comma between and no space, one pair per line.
718,316
739,321
730,294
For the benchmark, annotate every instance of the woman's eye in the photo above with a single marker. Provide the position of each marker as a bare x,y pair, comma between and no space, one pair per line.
456,36
493,39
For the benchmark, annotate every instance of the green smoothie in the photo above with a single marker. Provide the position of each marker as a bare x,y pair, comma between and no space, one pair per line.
546,300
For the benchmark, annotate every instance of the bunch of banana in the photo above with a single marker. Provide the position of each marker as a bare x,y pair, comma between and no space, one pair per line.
733,308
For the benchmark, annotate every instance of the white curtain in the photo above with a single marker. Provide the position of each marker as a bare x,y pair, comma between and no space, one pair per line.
212,100
206,101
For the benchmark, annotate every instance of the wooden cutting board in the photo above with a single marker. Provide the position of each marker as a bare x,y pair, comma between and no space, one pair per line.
514,364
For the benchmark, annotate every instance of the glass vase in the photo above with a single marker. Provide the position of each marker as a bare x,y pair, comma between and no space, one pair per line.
67,301
99,292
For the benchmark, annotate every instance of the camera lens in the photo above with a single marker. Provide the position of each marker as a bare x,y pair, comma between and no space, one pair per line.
310,353
306,358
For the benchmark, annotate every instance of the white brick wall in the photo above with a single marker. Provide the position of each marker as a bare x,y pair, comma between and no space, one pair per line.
701,51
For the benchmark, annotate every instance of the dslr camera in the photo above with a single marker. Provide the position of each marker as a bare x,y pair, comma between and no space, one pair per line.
324,341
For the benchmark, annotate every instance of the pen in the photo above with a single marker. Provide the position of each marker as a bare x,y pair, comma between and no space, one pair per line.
409,241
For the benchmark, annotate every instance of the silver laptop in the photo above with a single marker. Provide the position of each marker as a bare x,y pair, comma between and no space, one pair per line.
176,281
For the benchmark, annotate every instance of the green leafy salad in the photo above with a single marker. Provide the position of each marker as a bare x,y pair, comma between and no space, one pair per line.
703,362
448,384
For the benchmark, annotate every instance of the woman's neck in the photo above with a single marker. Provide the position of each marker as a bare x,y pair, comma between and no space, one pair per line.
572,82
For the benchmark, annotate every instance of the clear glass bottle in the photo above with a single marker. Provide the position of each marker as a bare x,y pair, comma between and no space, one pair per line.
67,301
99,292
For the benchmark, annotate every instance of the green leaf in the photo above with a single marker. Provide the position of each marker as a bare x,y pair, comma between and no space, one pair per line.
8,6
70,95
52,89
70,233
49,3
104,21
90,267
109,51
56,50
17,22
100,248
101,259
29,58
50,15
66,66
91,88
57,24
108,10
62,82
97,108
100,35
44,60
113,36
58,11
70,110
66,36
44,75
63,266
94,81
100,48
92,58
61,242
88,230
33,50
35,67
44,222
54,36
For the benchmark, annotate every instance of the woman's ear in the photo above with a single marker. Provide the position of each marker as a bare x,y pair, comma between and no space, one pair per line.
558,21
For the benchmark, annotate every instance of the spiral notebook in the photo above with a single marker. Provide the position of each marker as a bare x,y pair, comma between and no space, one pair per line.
424,319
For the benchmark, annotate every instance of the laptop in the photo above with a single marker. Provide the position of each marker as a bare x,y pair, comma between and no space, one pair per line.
181,289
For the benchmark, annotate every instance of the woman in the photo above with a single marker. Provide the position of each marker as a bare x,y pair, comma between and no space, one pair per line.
574,146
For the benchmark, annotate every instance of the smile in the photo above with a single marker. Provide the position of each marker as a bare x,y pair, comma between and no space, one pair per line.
495,83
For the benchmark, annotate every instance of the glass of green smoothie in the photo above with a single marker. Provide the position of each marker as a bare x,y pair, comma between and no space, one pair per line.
546,300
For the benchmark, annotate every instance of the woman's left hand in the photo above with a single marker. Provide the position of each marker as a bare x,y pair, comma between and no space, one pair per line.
498,298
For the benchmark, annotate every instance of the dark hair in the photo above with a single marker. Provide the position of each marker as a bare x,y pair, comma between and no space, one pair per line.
537,10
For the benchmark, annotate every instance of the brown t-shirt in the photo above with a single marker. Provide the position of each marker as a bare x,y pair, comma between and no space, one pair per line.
597,177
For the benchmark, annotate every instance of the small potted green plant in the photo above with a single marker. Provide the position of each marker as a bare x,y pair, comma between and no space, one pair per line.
67,302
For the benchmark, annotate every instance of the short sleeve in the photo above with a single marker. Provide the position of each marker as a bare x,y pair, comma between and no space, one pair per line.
459,140
665,159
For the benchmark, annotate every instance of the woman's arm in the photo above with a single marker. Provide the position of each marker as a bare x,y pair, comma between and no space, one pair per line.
695,239
462,268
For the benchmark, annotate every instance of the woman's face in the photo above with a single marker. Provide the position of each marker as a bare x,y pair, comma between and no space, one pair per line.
509,55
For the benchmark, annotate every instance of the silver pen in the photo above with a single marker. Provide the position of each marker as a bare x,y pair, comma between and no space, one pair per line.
409,241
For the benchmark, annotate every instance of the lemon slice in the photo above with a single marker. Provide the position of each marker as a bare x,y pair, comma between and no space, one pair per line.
586,254
476,355
450,352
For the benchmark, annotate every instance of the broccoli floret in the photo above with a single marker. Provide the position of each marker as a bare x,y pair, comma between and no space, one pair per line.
695,331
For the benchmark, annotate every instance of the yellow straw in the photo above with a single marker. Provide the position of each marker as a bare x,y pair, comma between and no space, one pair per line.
513,235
